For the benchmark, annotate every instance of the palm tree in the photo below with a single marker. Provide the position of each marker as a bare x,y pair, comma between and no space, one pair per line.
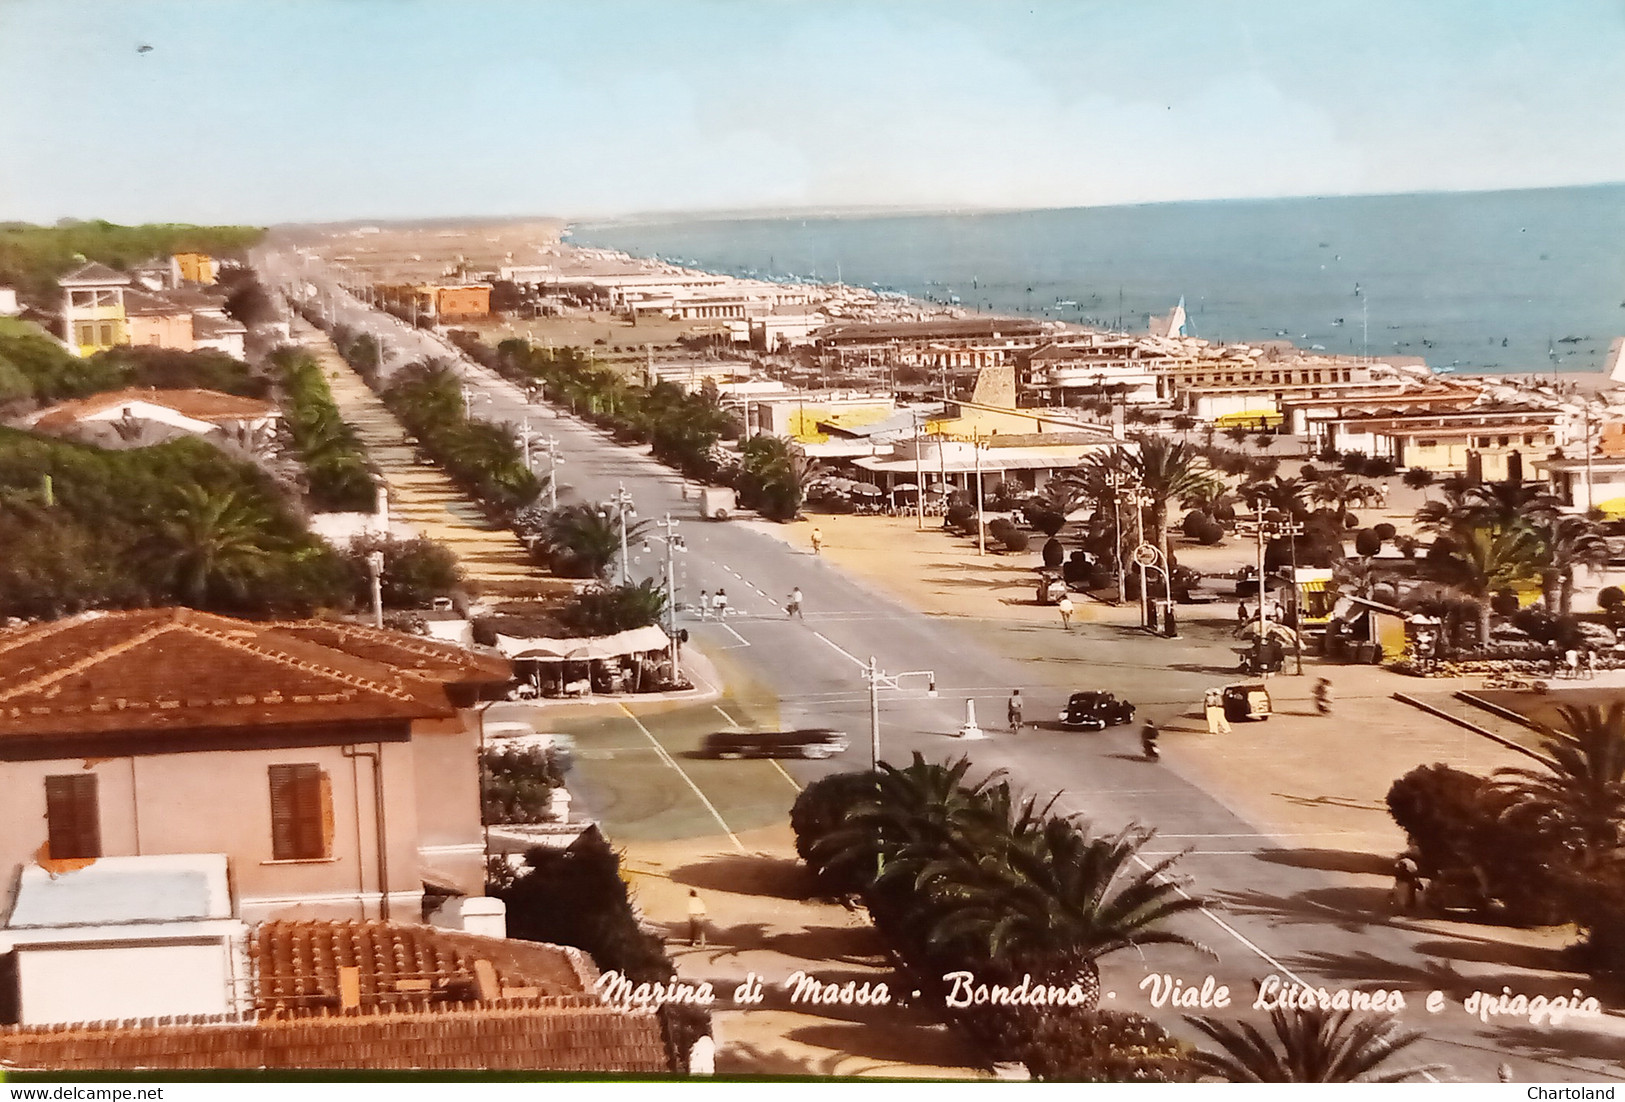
1337,491
922,805
581,540
1481,560
1577,804
1054,899
1310,1046
1166,471
1570,542
210,538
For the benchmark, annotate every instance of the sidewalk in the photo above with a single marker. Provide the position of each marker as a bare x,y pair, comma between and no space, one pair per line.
759,920
421,495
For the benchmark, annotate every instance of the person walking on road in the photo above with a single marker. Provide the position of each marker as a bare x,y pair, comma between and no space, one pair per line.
1323,697
1012,710
1148,740
1065,607
817,540
705,604
720,603
793,606
1213,707
696,918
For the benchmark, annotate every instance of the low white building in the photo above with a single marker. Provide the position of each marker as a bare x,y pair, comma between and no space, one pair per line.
124,937
8,302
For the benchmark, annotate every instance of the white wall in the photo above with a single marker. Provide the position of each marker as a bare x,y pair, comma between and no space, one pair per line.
83,984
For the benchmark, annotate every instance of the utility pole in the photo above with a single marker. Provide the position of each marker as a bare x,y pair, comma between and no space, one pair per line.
674,544
981,533
919,474
1138,500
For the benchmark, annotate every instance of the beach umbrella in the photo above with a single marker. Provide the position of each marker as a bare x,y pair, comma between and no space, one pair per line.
866,489
941,488
906,487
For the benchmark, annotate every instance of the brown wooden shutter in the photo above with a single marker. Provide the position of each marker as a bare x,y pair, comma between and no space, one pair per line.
301,815
73,816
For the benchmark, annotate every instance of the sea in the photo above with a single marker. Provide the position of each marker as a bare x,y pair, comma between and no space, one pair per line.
1526,281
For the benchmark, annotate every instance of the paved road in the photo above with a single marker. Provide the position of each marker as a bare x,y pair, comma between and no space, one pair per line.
1297,908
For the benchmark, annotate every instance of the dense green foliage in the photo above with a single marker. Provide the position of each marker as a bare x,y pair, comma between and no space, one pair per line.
683,429
577,896
416,571
1543,845
32,258
481,457
34,366
518,784
967,876
1309,1046
773,476
605,610
578,541
337,476
175,523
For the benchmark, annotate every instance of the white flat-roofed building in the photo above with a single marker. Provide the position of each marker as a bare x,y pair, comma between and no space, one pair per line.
123,938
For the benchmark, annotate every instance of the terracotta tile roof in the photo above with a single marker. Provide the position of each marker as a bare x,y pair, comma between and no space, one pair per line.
408,654
420,1005
92,273
204,405
207,326
566,1037
401,966
147,304
178,669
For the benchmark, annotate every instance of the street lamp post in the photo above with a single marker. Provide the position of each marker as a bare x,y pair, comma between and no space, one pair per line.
623,505
375,567
674,544
1139,499
1118,483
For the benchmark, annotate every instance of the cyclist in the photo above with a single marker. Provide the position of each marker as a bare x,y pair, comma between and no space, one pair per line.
1012,710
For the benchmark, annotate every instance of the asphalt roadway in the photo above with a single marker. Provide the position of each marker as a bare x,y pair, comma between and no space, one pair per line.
1279,906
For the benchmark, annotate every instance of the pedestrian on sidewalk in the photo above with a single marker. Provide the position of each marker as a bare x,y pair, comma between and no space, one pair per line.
1012,710
720,603
696,918
1213,707
1407,882
1065,607
1241,613
705,604
817,540
1571,662
793,607
1588,663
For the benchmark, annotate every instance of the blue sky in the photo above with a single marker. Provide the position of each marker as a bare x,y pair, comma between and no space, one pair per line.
278,110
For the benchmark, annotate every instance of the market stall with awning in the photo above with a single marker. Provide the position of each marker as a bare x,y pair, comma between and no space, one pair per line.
606,659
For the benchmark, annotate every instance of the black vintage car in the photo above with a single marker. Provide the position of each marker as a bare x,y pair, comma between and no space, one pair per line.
1095,711
811,742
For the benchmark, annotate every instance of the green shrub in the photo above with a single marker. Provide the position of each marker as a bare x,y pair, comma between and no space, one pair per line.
518,784
819,811
416,571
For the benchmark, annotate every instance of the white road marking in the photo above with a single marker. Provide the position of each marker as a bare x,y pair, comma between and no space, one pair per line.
743,642
785,775
732,722
854,659
672,762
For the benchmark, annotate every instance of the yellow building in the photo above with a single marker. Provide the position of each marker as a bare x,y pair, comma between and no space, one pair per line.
194,268
93,317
